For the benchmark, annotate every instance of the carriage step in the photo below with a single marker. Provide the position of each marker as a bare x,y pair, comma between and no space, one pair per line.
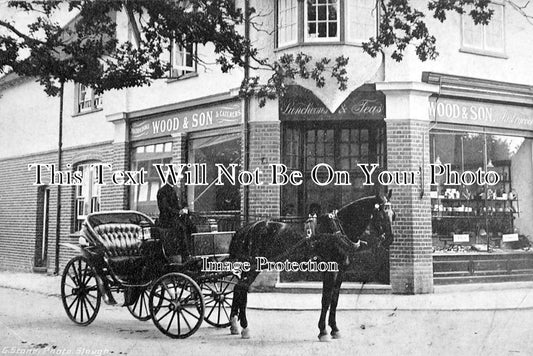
347,288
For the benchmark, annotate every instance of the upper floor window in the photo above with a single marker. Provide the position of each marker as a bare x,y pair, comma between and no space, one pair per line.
360,20
183,59
87,194
322,20
325,21
87,99
287,22
488,38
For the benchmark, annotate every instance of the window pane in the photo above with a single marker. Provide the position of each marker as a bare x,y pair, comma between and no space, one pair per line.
287,17
494,30
360,20
322,19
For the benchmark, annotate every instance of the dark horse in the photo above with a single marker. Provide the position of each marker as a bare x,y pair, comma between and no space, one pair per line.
332,237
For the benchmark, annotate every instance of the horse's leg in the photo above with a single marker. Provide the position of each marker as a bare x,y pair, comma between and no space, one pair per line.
247,282
235,306
327,291
332,321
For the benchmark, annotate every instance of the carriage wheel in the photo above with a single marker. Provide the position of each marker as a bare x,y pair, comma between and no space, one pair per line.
79,291
218,297
177,305
140,309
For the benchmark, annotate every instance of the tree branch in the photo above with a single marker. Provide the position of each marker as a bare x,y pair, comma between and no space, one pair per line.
20,34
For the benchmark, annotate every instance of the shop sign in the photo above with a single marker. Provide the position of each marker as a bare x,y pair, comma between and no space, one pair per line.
302,104
204,118
481,113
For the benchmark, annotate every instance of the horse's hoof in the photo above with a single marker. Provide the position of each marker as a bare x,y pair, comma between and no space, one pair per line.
324,337
234,328
245,334
336,334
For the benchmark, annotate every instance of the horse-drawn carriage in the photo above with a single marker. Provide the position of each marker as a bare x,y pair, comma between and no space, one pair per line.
125,252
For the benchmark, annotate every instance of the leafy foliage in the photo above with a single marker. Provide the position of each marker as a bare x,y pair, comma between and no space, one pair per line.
402,24
88,51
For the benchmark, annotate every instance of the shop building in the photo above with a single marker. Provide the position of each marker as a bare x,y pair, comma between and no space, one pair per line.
471,108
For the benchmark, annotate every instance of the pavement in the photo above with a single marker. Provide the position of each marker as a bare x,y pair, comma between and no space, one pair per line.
471,297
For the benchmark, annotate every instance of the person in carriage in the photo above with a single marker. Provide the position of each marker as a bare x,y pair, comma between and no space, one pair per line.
174,217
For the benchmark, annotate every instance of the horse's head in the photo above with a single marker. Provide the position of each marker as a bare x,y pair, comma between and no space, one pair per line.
381,220
374,213
310,225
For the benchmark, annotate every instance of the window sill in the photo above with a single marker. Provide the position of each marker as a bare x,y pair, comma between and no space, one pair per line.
87,112
482,52
311,44
182,77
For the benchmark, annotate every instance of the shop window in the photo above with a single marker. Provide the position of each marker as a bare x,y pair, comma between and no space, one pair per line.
183,59
485,39
287,22
87,194
360,20
212,150
481,217
321,20
87,99
144,196
219,203
341,146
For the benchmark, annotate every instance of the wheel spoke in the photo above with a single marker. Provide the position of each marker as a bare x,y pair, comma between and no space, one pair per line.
90,304
85,275
212,309
86,309
77,306
211,301
191,314
144,302
184,318
218,317
158,320
225,312
227,285
71,304
209,287
171,320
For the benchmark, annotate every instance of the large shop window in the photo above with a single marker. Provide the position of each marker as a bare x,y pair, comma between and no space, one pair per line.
87,194
209,151
144,196
341,146
481,217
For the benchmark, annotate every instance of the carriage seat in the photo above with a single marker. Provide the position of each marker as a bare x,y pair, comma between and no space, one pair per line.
120,239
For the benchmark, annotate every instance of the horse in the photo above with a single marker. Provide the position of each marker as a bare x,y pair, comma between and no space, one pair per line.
332,237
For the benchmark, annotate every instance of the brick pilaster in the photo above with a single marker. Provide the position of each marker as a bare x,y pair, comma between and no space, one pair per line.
264,200
411,261
407,118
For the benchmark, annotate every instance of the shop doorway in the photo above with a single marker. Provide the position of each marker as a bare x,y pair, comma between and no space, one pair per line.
42,223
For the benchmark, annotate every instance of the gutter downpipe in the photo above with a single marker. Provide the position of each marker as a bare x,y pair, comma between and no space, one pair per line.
59,163
246,118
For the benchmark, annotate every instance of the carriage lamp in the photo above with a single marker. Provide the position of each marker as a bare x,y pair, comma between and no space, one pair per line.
145,230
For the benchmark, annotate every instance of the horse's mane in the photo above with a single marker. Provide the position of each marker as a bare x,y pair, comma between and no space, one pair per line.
262,237
355,216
